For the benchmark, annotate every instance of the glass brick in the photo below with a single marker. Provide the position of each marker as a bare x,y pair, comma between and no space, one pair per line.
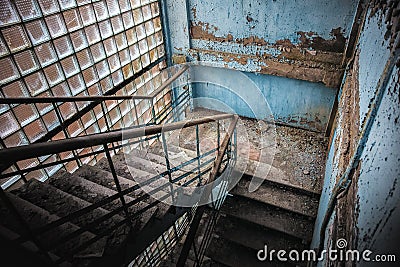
117,24
36,83
140,32
117,77
161,51
153,55
8,124
67,110
17,139
65,4
151,42
92,34
105,29
124,57
63,47
56,25
146,11
100,9
149,27
35,130
76,84
46,54
113,7
128,20
138,16
72,20
84,59
90,76
79,41
83,2
157,24
49,6
131,36
8,71
121,41
26,62
37,32
98,52
61,90
8,14
88,119
110,46
135,3
75,129
25,114
51,120
114,63
154,9
106,84
143,47
3,47
16,38
124,5
87,15
82,104
70,66
27,9
94,90
102,69
54,74
15,89
159,38
127,71
137,65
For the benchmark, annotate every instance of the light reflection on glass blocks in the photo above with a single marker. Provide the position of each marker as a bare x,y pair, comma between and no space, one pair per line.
35,130
113,7
76,84
100,10
61,90
117,24
114,63
102,69
117,77
8,14
140,32
121,41
127,19
89,76
17,139
26,62
137,16
84,59
50,120
105,29
124,57
110,46
65,4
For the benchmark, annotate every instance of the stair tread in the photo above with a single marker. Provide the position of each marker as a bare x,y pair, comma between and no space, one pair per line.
62,204
270,217
279,197
125,178
235,255
39,217
92,192
255,236
261,171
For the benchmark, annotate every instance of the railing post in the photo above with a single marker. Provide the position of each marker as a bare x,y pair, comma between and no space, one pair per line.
117,184
198,153
164,144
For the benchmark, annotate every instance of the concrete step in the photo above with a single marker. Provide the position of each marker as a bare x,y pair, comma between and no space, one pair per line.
62,204
92,192
280,197
255,236
126,178
38,217
235,255
261,172
270,217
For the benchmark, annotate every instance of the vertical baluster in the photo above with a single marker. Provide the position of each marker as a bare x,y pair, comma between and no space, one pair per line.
198,153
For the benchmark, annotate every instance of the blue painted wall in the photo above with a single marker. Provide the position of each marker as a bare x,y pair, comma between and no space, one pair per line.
294,102
377,193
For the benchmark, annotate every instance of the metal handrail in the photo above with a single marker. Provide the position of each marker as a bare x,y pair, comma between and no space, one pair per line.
56,99
14,154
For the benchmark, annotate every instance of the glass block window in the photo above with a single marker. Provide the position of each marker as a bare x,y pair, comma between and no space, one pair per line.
76,48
